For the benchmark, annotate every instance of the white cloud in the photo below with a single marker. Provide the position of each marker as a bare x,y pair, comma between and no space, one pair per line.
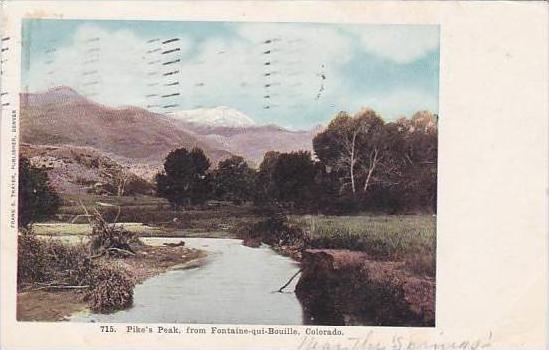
232,71
296,57
401,44
114,69
110,67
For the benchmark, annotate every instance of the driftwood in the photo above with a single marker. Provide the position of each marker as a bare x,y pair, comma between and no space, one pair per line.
179,244
98,255
122,251
56,286
106,238
289,281
113,249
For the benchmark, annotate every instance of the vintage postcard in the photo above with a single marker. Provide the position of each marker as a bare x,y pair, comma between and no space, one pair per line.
268,175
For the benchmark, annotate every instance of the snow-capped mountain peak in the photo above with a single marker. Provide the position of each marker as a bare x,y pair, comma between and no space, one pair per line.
219,116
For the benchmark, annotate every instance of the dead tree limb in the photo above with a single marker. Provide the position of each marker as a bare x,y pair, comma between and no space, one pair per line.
57,287
118,250
290,281
98,255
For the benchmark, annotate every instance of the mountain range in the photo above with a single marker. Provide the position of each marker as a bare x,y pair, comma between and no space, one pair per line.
140,139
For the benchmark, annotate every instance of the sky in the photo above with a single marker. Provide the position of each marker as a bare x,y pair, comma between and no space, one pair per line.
296,75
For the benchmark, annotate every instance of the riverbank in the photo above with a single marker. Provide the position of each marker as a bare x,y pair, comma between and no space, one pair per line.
367,269
39,303
358,270
342,287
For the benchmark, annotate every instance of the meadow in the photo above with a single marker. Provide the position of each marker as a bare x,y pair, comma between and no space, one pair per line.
157,212
64,228
408,238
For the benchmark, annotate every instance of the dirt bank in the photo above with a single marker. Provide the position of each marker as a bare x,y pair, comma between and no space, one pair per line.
342,287
36,304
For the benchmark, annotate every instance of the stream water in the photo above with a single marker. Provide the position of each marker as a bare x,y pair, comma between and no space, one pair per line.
236,285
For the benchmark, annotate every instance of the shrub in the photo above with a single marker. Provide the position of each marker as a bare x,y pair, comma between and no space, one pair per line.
109,238
50,262
274,230
36,200
31,260
111,288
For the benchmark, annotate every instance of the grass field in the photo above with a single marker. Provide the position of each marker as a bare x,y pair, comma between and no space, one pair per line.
212,216
132,207
409,238
60,229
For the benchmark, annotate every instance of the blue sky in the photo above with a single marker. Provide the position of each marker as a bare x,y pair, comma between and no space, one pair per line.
296,75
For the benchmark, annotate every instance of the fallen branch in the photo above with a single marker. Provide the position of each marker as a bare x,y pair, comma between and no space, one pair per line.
57,287
98,255
179,244
53,283
290,281
123,251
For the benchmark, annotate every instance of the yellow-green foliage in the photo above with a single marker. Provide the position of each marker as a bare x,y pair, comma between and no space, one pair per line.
56,229
411,238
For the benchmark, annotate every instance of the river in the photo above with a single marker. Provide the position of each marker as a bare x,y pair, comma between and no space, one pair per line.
235,286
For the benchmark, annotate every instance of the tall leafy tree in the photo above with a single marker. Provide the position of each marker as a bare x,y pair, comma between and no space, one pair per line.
37,200
353,146
293,176
419,160
288,178
185,179
233,180
265,189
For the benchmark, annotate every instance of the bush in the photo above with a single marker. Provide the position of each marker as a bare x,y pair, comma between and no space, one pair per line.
111,288
31,261
36,200
109,238
49,262
274,230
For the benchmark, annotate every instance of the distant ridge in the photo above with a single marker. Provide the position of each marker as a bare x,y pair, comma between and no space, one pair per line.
61,116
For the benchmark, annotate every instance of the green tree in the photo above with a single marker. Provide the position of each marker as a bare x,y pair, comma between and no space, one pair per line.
233,180
419,155
185,179
294,178
36,200
265,190
287,177
378,165
354,147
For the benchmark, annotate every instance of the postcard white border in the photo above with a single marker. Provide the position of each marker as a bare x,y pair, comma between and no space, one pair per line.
492,217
